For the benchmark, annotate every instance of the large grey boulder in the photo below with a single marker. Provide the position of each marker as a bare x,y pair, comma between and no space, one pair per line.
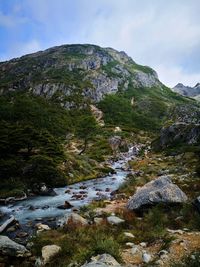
160,190
12,249
103,260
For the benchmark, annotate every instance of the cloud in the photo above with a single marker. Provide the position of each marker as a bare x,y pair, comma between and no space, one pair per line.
172,75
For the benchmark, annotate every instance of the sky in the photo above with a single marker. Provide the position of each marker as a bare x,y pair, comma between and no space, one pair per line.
163,34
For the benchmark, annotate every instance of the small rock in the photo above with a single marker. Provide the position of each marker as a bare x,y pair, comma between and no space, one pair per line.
162,252
42,227
49,252
143,244
115,220
146,257
66,205
129,244
129,235
11,229
76,219
104,260
180,232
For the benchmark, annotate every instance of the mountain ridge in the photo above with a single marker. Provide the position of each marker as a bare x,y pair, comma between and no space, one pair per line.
50,71
188,91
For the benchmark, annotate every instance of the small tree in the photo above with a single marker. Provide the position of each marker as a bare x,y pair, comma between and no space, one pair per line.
86,129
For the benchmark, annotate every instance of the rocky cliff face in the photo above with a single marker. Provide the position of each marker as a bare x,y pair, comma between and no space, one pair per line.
188,91
178,134
71,71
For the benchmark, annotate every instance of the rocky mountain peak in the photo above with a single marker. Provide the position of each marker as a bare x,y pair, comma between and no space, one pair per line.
77,70
193,92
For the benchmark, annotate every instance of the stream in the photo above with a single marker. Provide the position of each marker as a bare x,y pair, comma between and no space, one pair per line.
40,208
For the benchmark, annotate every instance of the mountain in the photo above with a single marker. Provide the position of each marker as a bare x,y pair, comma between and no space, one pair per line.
68,69
76,76
193,92
72,98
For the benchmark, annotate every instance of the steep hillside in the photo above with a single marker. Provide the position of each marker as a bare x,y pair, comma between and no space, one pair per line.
77,75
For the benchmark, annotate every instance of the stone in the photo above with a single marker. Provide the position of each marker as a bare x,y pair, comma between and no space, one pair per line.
12,249
104,260
42,227
76,219
143,244
127,234
66,205
160,190
49,252
129,244
11,229
146,257
115,220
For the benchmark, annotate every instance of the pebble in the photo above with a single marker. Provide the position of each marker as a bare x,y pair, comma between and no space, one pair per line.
143,244
129,244
146,257
127,234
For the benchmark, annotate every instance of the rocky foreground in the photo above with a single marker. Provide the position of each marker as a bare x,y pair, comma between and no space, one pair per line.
156,225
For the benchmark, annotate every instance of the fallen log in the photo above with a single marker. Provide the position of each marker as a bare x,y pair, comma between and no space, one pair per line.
7,223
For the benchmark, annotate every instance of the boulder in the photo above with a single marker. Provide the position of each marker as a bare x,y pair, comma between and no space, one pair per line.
43,190
49,252
103,260
114,220
115,142
66,205
160,190
76,219
12,249
42,227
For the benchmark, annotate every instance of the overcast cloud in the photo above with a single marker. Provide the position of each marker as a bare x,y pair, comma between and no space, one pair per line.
162,34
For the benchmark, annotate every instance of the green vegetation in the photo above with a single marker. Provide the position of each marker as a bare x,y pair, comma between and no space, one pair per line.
191,260
80,243
149,110
32,143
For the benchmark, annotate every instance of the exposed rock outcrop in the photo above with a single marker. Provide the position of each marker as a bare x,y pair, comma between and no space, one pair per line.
178,133
160,190
69,70
11,248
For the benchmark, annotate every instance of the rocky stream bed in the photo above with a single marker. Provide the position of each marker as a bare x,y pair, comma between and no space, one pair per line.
50,210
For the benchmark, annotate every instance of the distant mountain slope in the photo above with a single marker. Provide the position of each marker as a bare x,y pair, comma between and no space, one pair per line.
193,92
86,70
77,76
